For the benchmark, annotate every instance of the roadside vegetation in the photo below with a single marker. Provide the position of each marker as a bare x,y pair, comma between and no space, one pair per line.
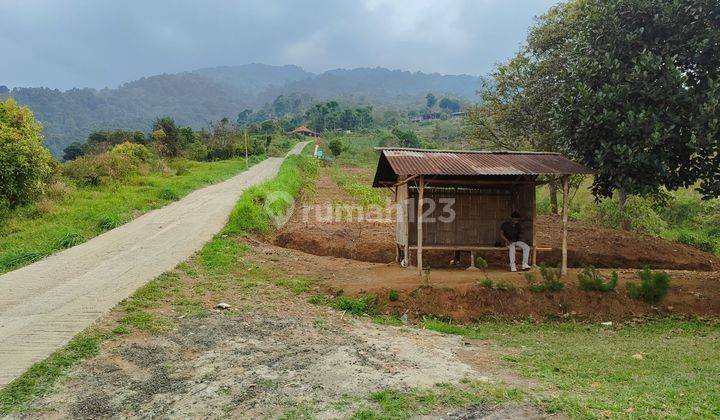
47,206
217,271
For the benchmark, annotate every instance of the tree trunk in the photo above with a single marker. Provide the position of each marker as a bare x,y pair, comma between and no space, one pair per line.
623,212
553,188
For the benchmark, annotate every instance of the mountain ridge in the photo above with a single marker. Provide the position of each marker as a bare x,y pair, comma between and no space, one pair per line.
199,96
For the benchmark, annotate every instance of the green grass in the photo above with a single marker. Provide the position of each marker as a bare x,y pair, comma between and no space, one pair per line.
255,210
594,370
362,191
358,149
364,305
84,212
395,404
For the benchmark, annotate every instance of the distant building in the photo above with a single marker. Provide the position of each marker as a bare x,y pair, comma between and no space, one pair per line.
458,114
304,131
431,116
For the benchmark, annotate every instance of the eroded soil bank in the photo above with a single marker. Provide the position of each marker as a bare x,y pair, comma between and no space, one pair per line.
457,293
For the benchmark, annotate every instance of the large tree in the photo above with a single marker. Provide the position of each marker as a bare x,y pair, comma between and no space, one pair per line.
430,100
629,87
639,94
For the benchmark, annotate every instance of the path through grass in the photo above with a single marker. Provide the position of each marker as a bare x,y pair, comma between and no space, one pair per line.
85,212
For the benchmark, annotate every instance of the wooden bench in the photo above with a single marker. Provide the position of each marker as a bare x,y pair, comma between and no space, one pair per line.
473,248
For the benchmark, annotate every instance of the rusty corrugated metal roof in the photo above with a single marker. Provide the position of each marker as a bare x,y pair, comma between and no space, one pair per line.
405,161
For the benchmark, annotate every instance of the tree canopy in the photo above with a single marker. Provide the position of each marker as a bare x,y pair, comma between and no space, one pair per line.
629,87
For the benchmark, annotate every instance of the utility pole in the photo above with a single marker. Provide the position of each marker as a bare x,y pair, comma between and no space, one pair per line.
247,164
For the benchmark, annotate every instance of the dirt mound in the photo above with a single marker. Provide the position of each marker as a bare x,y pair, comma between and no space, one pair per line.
591,244
358,241
588,244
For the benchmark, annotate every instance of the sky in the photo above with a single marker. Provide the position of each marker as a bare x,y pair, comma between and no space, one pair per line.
103,43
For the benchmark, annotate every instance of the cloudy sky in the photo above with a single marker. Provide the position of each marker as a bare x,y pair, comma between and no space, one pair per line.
99,43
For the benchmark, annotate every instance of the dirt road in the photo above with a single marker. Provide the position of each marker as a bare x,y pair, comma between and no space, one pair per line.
43,305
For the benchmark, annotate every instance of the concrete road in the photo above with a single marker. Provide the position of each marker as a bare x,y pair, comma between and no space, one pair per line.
45,304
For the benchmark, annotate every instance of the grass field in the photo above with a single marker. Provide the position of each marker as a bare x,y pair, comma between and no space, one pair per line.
654,369
83,212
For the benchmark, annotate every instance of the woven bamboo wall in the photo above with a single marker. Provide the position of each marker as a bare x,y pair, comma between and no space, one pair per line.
478,215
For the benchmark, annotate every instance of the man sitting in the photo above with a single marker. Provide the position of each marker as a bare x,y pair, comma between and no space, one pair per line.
510,232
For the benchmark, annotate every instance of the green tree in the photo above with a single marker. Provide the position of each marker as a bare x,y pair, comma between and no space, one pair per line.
637,94
244,116
24,161
73,151
406,138
169,141
629,87
430,100
450,105
336,147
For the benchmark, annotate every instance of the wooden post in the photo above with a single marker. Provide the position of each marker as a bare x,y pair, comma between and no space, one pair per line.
421,197
534,229
472,261
406,221
563,268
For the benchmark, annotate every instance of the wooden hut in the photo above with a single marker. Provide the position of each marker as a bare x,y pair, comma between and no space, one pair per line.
466,197
304,131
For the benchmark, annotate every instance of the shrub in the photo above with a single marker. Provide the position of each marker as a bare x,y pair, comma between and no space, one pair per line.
653,286
25,163
336,147
393,295
136,152
168,194
486,283
108,222
550,280
356,306
180,166
99,169
196,151
58,189
590,279
639,211
699,240
19,257
504,285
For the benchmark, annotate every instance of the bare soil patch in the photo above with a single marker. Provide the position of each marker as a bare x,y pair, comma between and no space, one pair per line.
258,365
588,244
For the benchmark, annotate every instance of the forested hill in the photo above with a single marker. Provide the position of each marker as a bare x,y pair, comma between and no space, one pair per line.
377,85
198,97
